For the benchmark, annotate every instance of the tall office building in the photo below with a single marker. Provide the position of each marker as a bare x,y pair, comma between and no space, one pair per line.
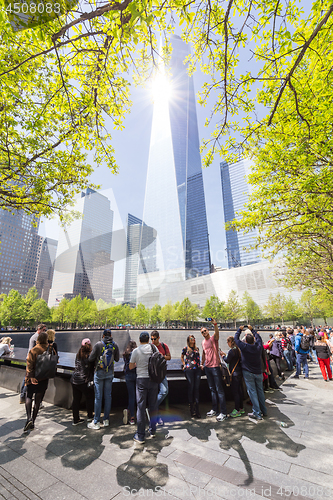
140,255
83,262
46,267
235,193
174,199
20,248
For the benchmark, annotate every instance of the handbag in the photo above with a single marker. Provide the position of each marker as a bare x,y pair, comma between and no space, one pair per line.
225,372
46,364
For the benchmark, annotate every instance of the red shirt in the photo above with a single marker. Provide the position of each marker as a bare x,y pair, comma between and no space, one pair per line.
211,358
163,348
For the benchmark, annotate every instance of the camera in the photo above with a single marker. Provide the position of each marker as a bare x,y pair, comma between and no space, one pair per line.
208,319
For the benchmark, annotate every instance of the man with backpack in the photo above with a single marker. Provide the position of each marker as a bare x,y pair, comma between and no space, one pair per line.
302,348
146,387
163,389
103,355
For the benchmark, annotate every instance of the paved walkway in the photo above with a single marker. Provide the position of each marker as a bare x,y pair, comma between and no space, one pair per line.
237,458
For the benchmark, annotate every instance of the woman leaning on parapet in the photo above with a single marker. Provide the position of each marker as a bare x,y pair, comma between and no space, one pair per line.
191,364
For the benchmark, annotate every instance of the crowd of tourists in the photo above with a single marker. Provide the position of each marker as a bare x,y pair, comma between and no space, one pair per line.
247,364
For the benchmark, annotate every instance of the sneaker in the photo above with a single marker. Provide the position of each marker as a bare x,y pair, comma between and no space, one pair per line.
90,419
106,423
253,415
137,439
80,421
270,391
125,416
242,411
132,421
235,413
296,376
22,401
94,426
159,421
211,413
41,406
221,417
29,425
151,434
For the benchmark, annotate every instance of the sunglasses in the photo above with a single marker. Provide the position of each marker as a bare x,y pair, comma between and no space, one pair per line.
204,331
154,338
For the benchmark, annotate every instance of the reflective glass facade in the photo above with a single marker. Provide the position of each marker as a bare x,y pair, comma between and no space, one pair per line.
20,249
46,267
174,201
83,264
235,192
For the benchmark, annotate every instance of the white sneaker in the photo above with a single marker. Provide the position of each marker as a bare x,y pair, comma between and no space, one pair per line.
221,417
125,416
211,413
92,425
106,423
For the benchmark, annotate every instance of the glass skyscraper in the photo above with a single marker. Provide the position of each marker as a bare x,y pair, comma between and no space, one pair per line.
235,193
46,267
83,263
174,200
20,248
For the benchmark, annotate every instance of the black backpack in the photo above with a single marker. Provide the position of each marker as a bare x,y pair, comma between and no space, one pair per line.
157,366
305,342
225,372
46,364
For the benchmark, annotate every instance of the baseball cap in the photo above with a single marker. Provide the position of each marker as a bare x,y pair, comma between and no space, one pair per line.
144,337
85,341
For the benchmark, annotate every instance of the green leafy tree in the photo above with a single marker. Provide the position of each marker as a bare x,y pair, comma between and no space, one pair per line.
214,308
167,313
251,309
234,308
13,309
293,310
127,314
155,315
61,81
324,303
73,311
30,298
185,311
115,314
272,309
40,312
141,315
59,313
309,305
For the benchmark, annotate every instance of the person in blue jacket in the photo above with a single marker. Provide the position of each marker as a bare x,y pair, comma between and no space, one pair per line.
251,350
302,348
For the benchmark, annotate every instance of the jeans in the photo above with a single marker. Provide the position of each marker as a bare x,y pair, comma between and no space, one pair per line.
237,391
146,389
103,386
193,377
302,359
163,391
313,355
130,378
78,390
288,357
214,379
255,389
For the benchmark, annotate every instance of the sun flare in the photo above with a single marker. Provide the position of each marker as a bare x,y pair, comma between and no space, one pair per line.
161,88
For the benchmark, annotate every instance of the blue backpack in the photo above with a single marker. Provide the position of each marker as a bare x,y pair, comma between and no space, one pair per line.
106,359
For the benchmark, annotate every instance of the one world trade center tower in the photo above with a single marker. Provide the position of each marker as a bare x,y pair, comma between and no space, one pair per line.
174,200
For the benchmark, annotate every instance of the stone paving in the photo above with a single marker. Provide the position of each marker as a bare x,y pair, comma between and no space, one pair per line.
202,459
